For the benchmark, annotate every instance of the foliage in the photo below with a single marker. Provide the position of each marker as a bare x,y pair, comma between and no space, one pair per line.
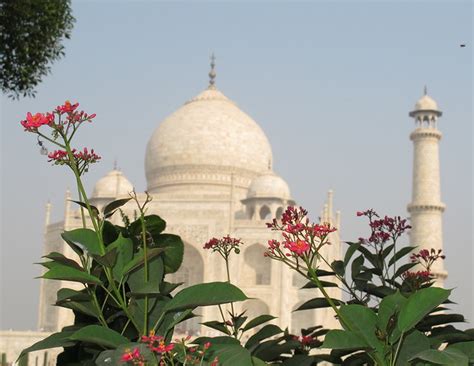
31,40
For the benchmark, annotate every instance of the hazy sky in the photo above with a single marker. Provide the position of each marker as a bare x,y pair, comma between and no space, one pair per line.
331,84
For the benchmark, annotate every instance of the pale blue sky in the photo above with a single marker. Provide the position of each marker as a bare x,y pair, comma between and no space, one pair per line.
331,84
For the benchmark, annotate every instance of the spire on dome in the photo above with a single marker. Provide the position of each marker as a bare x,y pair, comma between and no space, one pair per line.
212,73
425,90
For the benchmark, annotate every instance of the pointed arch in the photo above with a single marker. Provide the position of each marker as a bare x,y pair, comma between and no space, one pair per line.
265,213
190,273
257,269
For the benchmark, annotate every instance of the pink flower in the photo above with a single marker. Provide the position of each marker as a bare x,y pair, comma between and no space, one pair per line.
133,356
298,247
33,122
67,107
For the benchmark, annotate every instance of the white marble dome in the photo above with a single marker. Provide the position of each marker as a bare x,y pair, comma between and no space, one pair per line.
112,185
209,135
426,103
269,185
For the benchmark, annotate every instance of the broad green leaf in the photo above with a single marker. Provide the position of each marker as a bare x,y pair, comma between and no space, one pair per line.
323,273
60,339
466,347
439,319
205,294
447,357
85,238
124,248
343,339
173,255
255,322
108,259
412,344
60,258
110,208
153,224
419,305
65,273
316,303
136,280
362,322
258,362
99,335
402,269
389,307
350,252
338,267
267,331
139,259
386,251
400,254
357,265
217,326
166,287
76,300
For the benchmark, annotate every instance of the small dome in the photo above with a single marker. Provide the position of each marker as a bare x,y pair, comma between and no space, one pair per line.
269,185
426,103
113,185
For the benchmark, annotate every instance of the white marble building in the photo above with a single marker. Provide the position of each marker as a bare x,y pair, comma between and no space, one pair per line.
209,170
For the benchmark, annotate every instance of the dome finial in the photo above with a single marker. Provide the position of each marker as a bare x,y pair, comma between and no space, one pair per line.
425,90
212,73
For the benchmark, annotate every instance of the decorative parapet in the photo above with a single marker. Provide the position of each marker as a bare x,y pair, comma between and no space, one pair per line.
421,133
414,207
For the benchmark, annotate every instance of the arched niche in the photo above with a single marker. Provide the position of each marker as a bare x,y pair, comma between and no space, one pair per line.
279,212
302,319
190,273
265,213
257,269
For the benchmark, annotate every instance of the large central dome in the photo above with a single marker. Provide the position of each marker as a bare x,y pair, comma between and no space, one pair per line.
203,143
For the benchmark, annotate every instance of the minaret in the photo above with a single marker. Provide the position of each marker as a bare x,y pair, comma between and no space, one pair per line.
426,208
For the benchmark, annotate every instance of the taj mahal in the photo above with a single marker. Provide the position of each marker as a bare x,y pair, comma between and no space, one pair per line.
209,172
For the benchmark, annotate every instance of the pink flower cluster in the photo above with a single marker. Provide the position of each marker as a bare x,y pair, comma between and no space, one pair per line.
157,343
426,257
34,121
383,229
135,357
300,237
224,246
60,157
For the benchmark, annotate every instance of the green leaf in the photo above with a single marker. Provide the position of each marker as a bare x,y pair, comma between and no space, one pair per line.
448,357
136,280
386,251
310,284
139,259
173,255
357,265
166,287
217,326
403,269
466,347
62,272
108,259
412,344
76,300
350,251
400,254
153,224
124,248
255,322
60,339
93,208
258,362
316,303
205,294
99,335
342,339
362,322
419,305
86,238
110,208
60,258
338,267
323,273
267,331
388,308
